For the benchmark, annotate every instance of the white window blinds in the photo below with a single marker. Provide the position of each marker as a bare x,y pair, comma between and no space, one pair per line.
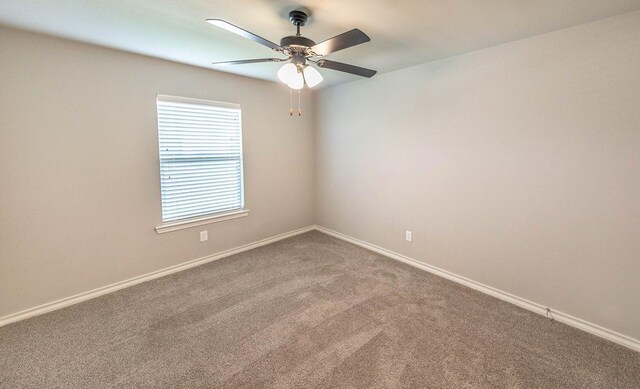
200,157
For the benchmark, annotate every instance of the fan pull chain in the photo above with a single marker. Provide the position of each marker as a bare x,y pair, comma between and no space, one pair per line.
290,102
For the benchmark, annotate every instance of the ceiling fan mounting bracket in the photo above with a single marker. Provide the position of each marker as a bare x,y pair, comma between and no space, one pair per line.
298,18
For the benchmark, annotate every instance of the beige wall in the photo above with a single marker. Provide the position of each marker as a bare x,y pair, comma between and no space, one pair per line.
516,166
79,181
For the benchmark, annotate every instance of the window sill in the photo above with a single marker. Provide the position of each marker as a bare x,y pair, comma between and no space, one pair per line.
199,221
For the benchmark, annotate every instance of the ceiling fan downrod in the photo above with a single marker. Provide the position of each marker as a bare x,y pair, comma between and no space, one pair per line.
299,19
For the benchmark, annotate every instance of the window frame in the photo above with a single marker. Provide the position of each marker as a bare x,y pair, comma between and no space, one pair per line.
198,220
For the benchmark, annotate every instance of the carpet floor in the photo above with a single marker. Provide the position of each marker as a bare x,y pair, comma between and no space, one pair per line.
308,311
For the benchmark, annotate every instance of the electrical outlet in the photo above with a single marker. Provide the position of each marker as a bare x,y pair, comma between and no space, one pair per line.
204,235
408,236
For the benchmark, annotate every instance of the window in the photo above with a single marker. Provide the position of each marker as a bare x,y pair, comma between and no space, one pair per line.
200,158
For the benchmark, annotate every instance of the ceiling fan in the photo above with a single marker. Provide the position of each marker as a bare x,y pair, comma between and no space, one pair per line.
300,51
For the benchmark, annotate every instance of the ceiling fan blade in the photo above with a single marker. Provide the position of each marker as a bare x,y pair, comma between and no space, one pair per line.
245,61
342,41
344,67
243,33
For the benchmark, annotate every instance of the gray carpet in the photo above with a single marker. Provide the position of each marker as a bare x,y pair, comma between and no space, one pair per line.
309,311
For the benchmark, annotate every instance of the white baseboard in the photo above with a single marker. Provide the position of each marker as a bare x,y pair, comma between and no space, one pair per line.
597,330
78,298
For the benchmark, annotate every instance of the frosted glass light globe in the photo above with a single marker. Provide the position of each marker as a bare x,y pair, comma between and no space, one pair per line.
289,74
312,76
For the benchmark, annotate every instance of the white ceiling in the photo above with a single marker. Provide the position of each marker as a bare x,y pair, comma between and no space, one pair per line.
403,33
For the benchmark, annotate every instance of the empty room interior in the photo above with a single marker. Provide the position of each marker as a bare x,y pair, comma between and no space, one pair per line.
320,194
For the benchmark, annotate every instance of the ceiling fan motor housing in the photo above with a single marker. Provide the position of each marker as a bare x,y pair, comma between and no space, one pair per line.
296,41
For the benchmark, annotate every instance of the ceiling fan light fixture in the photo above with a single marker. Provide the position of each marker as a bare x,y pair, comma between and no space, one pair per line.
289,75
299,50
297,83
312,76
